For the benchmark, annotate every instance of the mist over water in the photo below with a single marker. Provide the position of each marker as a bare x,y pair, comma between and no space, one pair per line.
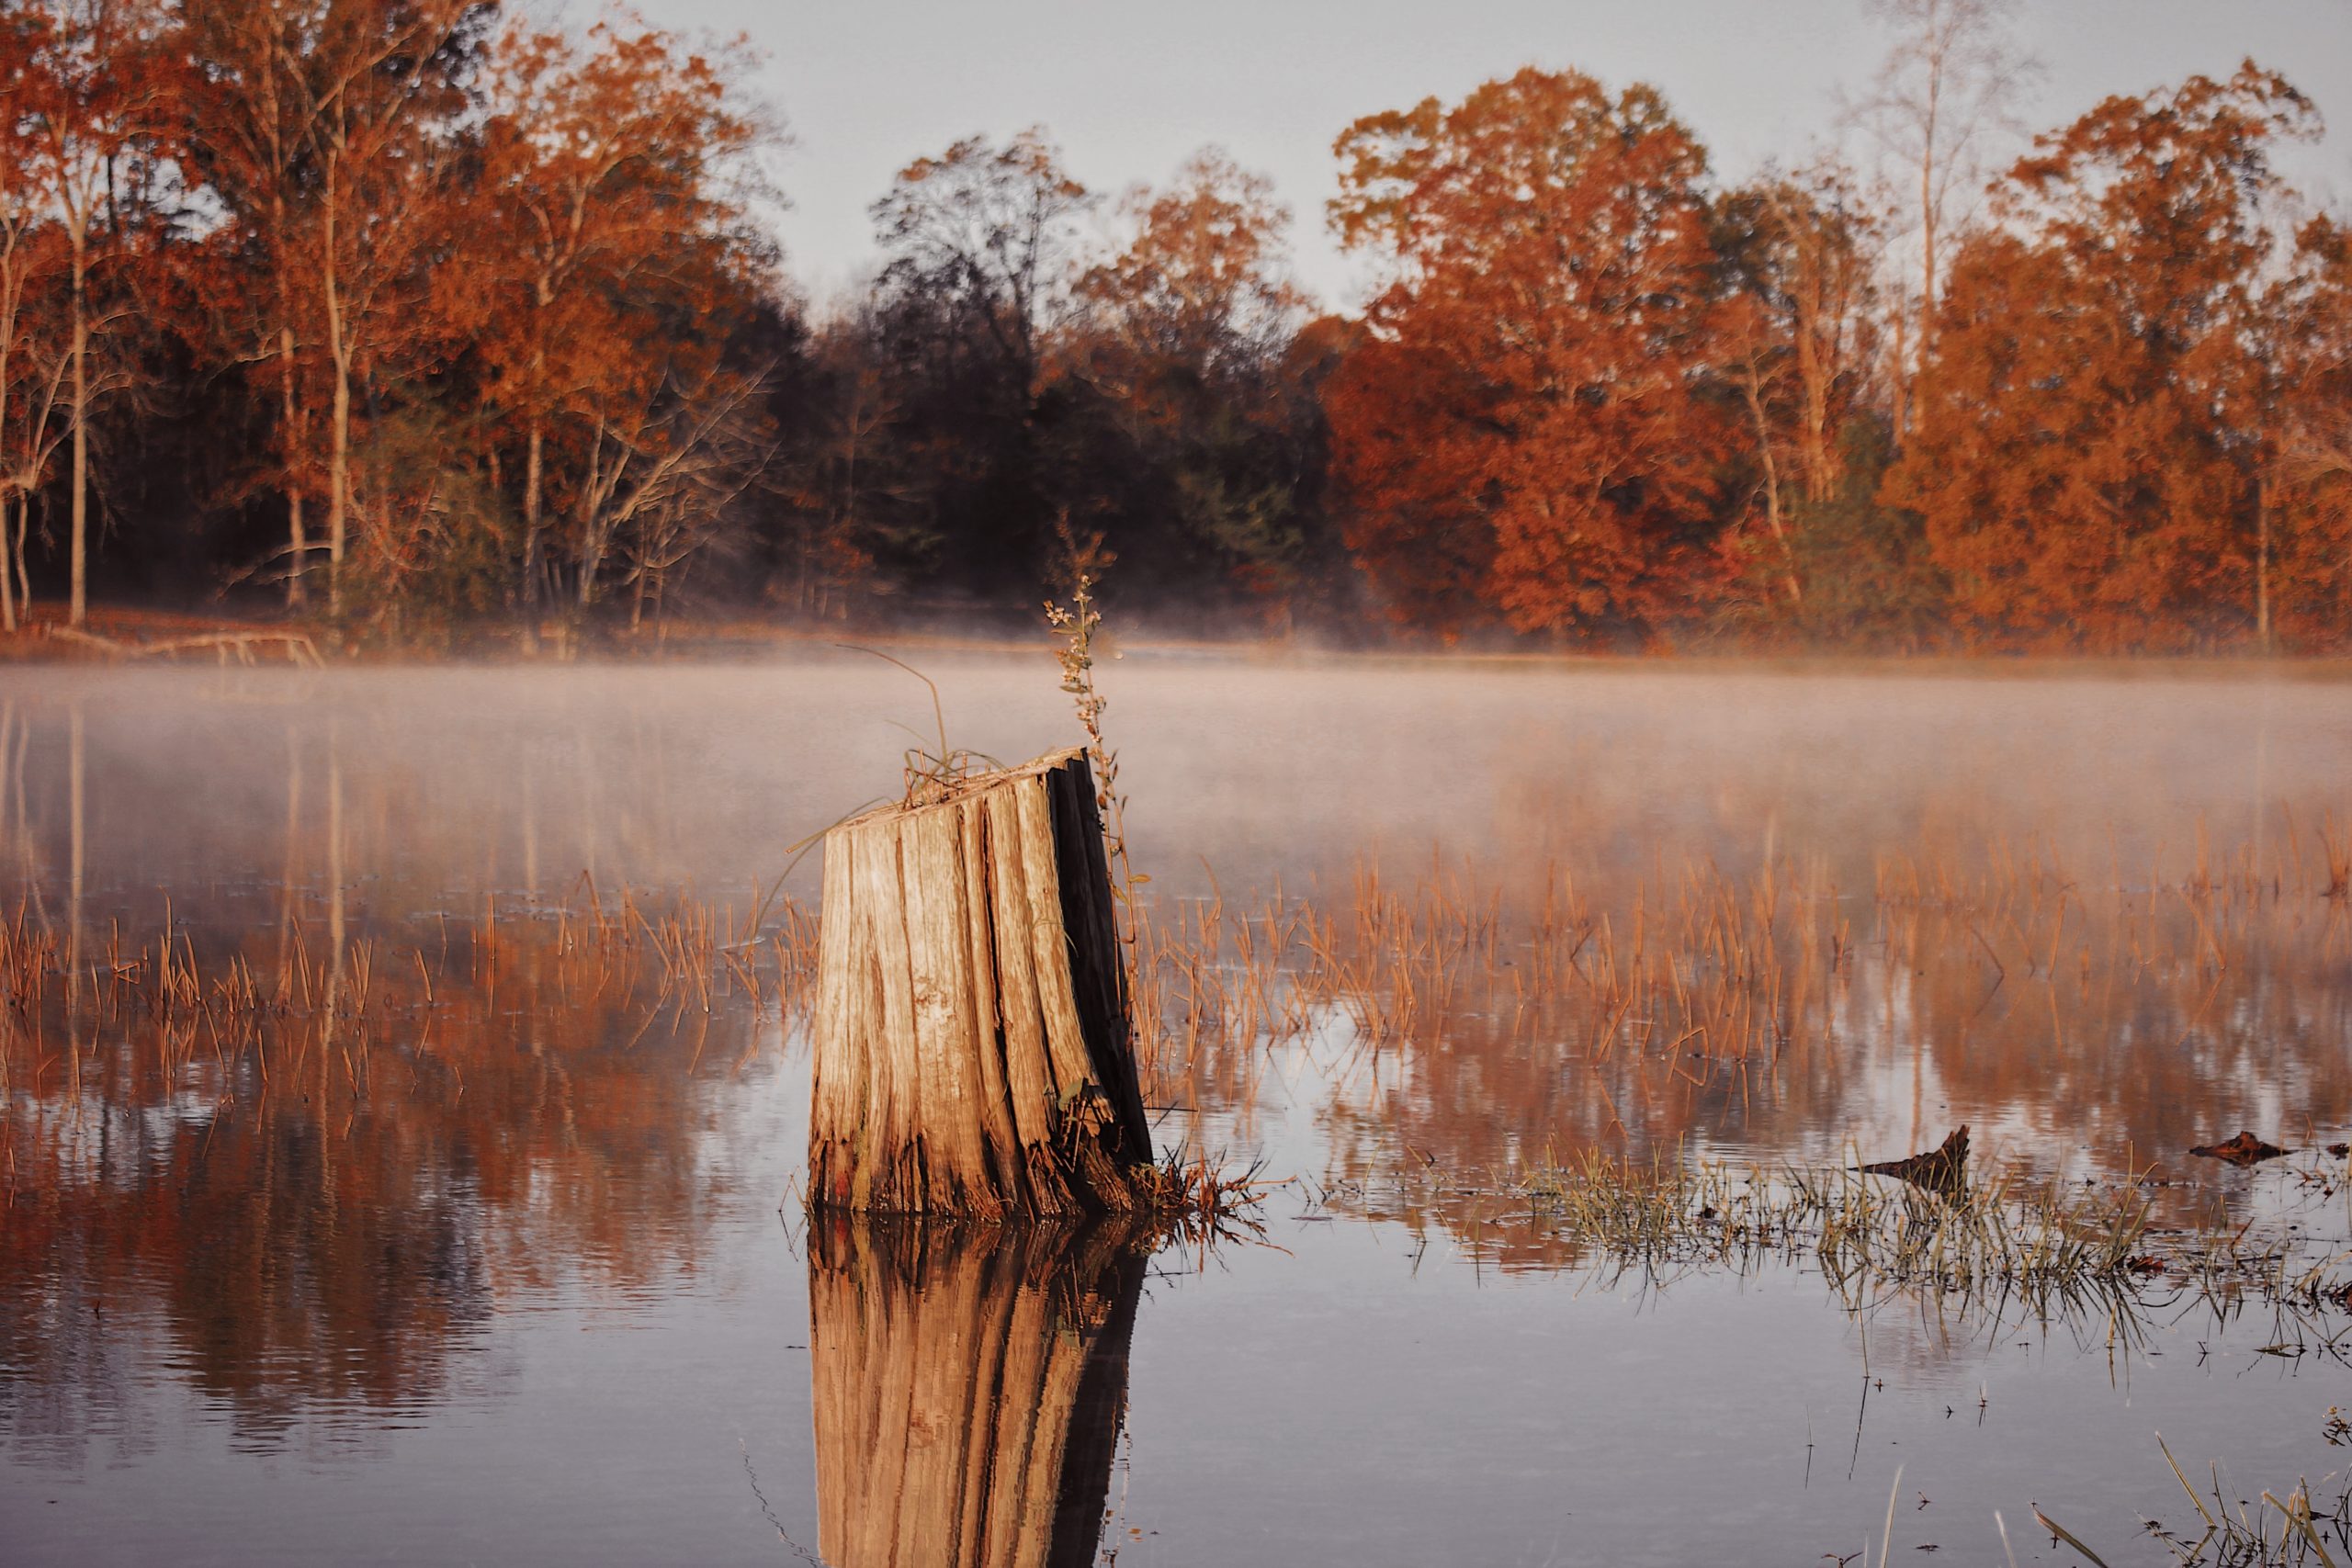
462,780
503,1275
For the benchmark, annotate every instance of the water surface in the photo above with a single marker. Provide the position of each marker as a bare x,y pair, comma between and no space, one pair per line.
478,1240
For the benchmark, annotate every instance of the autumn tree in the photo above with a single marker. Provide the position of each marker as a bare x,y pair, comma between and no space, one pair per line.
2088,438
1176,356
706,446
847,483
33,368
1800,348
252,111
980,244
989,233
1952,74
97,93
1521,433
388,76
2305,524
611,164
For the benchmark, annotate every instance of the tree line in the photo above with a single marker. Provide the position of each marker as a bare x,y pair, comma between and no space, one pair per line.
417,317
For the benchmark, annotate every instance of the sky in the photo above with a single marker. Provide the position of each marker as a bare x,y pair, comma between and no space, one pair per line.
1129,91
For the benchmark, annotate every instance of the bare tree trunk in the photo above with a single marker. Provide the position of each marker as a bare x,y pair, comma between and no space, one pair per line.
1813,371
8,505
297,544
591,531
2262,562
1899,381
1772,485
1927,215
533,459
339,436
338,482
80,606
291,412
592,556
24,527
7,491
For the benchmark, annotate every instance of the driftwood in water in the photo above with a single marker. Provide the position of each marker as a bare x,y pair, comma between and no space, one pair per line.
968,1382
2244,1149
971,1035
297,647
1941,1169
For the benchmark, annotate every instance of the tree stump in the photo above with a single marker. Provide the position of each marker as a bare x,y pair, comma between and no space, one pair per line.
971,1037
967,1383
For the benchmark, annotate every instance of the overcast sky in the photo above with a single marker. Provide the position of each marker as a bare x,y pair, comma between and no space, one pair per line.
1130,90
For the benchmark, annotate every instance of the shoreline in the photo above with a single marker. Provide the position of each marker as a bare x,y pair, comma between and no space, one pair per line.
127,636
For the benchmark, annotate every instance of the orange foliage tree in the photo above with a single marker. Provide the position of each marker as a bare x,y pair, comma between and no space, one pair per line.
2307,504
388,74
1525,433
1800,341
1184,333
32,361
2089,429
610,164
99,90
251,109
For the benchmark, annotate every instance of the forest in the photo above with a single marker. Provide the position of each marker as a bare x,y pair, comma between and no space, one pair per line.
433,321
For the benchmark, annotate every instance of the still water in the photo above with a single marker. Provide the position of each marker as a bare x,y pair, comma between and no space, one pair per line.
437,1220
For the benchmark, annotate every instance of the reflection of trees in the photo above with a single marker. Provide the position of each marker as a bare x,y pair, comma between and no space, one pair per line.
1478,1019
969,1385
302,1184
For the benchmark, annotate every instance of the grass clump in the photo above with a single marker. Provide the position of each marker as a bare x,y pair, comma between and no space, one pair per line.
2292,1531
2000,1246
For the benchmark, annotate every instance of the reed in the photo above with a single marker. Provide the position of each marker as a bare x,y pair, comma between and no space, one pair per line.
2005,1250
90,1019
2293,1531
1641,976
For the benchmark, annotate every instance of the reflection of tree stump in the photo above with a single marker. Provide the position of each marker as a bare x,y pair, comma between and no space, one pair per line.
971,1035
969,1384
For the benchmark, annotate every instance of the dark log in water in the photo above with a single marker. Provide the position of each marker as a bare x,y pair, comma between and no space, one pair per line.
2244,1149
972,1044
969,1384
1943,1169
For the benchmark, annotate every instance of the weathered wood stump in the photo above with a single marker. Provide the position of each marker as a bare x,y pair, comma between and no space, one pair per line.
967,1384
971,1037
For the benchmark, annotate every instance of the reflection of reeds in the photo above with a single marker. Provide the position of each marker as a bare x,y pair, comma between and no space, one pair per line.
303,1170
1704,964
1479,1014
163,999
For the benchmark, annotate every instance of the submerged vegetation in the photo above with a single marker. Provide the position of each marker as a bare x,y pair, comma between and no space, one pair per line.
2005,1248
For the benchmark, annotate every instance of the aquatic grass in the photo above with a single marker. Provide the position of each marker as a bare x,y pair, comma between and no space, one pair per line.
2292,1531
91,1018
2005,1249
1698,965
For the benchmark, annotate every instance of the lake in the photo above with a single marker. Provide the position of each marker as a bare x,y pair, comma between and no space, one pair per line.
406,1096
